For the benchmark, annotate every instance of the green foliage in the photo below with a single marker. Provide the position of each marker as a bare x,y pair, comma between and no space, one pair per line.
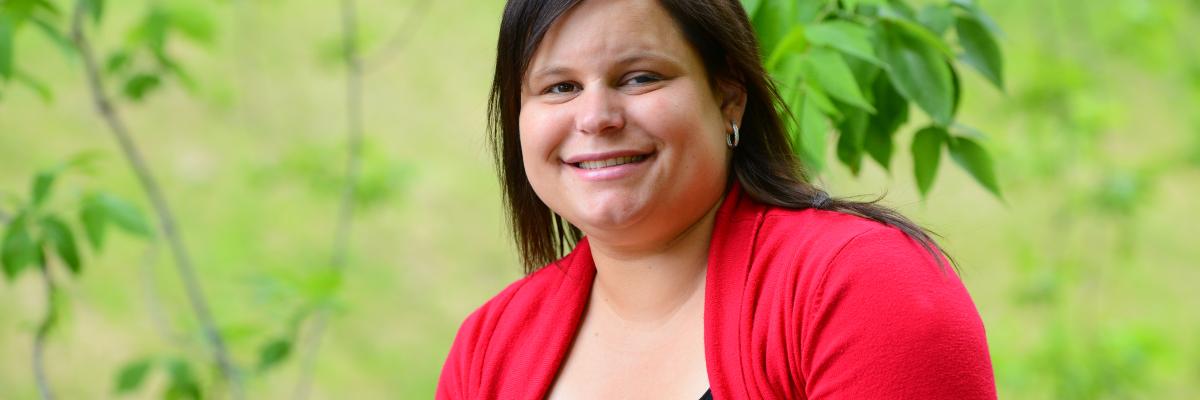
861,64
100,209
972,157
182,383
980,49
60,238
40,226
14,16
273,353
927,153
19,249
131,376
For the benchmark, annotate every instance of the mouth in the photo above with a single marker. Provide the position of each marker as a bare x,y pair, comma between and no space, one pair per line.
610,162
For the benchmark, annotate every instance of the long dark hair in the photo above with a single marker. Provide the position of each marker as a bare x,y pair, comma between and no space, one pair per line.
720,32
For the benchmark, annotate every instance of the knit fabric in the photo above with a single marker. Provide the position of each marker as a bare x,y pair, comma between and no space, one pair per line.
799,304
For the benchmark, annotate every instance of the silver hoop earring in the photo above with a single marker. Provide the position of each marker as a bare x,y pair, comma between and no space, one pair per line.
734,138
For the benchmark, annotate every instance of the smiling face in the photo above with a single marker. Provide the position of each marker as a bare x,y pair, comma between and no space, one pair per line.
621,132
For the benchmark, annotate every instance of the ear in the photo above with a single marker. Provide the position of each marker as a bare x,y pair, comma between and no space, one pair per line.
732,96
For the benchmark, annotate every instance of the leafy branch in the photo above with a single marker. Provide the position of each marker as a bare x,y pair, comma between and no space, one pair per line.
166,218
857,67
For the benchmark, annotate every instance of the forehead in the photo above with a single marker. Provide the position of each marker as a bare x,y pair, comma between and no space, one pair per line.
599,32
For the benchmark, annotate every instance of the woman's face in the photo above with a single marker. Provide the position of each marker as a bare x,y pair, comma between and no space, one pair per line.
621,132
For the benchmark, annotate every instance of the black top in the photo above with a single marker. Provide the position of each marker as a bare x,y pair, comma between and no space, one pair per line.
707,395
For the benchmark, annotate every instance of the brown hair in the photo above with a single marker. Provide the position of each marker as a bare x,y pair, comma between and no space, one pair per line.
720,32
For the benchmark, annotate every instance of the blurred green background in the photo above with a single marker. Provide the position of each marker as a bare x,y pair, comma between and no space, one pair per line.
1085,275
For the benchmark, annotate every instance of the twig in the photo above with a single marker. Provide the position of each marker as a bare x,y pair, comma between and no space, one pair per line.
341,238
4,218
401,38
39,339
162,324
166,218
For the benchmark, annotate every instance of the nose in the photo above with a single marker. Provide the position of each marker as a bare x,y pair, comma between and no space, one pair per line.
599,111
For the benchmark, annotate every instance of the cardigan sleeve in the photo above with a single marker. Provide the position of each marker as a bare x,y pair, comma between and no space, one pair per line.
886,321
456,373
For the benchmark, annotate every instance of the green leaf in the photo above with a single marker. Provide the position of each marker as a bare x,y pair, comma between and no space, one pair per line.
848,37
7,30
937,18
96,9
919,72
919,33
42,183
793,42
101,208
192,21
273,352
94,220
850,142
957,85
140,84
827,68
879,146
750,6
814,132
897,9
181,382
975,159
974,10
823,102
927,153
892,112
772,22
59,236
117,61
980,50
131,376
19,250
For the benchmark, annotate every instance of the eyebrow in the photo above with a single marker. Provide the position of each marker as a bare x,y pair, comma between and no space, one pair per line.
623,61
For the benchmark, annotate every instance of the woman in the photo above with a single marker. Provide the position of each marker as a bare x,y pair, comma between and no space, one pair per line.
642,136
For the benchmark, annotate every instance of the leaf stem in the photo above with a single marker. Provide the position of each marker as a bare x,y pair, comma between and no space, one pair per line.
120,132
43,331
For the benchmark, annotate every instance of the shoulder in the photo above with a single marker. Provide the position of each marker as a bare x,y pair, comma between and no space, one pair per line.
528,294
836,235
813,239
843,259
524,325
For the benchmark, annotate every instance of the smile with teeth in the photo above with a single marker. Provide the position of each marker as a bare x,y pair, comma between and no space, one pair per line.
611,162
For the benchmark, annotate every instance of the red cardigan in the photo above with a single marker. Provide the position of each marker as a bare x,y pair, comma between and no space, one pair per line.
799,304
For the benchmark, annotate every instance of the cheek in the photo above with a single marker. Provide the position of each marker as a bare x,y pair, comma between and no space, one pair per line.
536,136
684,121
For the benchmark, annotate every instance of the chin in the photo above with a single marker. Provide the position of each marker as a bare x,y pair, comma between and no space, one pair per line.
610,216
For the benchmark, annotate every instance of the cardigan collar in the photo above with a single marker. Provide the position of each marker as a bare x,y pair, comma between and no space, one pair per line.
734,232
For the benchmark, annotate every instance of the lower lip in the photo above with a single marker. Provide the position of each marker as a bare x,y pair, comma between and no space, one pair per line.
611,173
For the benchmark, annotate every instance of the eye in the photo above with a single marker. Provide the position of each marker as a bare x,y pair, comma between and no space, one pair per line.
560,88
643,79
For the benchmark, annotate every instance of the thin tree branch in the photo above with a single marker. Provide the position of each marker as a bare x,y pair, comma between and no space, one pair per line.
354,132
4,218
43,331
345,216
401,38
166,218
158,317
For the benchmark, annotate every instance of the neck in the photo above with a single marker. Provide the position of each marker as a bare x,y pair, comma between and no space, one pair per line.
650,284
